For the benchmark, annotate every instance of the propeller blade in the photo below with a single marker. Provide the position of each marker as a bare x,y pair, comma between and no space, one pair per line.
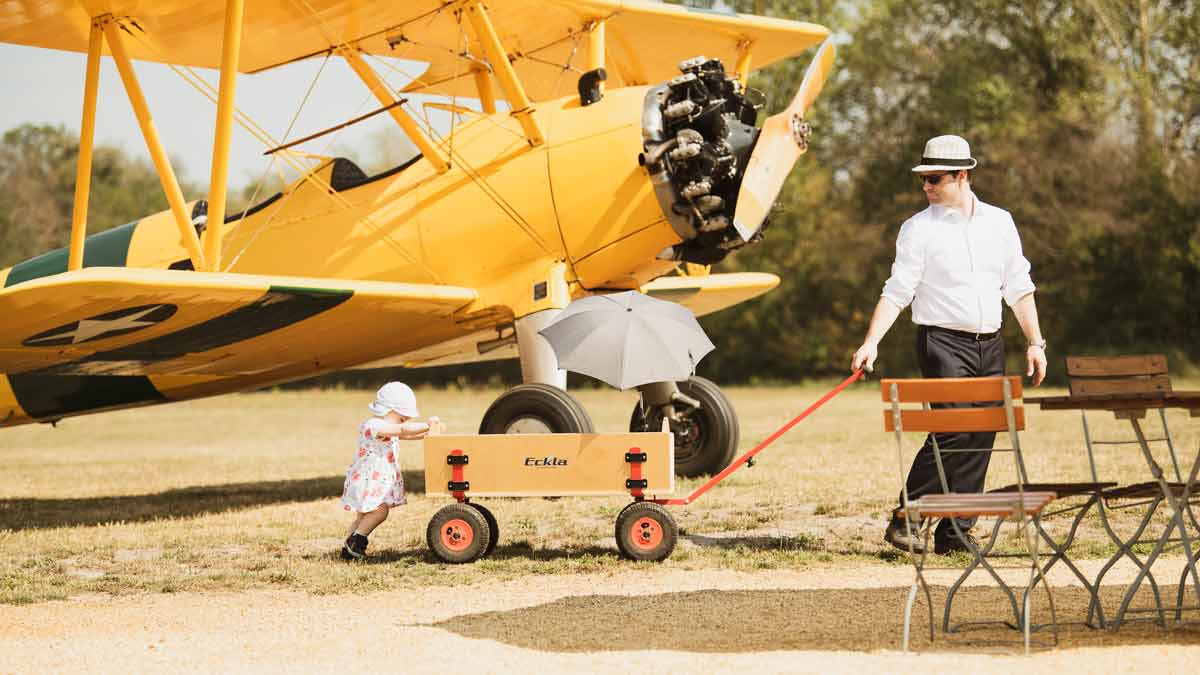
784,137
814,80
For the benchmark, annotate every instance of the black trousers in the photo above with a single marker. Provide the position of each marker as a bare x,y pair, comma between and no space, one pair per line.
942,354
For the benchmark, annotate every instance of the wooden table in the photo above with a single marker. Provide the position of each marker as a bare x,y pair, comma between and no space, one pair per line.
1133,407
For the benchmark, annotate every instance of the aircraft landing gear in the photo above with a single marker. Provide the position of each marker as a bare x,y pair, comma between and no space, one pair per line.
535,409
541,405
701,417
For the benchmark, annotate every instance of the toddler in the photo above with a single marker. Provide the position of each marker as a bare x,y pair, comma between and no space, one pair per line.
373,481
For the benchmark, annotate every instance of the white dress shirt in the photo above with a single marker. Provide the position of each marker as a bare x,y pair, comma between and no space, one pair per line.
954,269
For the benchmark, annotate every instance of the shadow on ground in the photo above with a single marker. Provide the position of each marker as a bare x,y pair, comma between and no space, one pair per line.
859,620
802,542
32,514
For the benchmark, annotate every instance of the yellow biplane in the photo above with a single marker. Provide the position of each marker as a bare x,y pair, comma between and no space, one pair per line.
600,152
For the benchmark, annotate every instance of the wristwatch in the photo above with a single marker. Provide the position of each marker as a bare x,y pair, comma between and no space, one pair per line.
1040,344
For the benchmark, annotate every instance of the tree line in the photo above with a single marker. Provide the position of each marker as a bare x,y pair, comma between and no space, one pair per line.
1085,118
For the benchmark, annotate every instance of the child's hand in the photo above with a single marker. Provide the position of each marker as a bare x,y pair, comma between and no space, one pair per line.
435,426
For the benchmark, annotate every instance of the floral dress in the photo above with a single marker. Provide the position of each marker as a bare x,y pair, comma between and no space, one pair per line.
374,476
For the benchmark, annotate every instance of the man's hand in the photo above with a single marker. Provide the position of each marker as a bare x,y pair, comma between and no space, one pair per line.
865,357
1036,357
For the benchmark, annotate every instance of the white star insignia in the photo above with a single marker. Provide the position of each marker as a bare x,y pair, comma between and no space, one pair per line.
89,329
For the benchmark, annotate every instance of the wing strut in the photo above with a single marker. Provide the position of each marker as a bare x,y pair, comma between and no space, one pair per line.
87,135
483,83
744,57
377,87
522,109
162,163
231,45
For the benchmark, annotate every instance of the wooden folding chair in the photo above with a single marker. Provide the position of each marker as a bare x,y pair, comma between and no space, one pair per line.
1021,506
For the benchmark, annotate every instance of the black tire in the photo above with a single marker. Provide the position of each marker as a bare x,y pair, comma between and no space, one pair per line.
708,439
646,532
535,408
458,533
493,527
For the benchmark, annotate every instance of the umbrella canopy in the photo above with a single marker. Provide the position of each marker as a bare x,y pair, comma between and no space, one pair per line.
627,339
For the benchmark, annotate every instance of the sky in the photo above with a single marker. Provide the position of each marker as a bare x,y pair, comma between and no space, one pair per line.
46,86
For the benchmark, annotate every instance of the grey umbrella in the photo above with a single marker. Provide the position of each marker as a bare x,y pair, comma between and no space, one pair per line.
627,339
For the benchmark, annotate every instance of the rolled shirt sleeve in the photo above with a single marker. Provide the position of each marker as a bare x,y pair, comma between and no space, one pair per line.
908,267
1017,282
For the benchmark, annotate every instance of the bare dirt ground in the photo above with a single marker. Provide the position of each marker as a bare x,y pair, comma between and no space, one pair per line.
831,620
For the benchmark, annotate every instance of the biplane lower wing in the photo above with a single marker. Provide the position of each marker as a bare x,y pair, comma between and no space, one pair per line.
708,294
140,322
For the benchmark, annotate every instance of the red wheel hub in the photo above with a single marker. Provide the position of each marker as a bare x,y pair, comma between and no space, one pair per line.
646,533
457,534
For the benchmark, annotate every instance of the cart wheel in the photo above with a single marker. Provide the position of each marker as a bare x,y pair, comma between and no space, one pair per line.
645,531
493,527
458,533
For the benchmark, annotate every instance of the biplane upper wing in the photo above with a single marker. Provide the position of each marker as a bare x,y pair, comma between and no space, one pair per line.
118,321
713,292
546,40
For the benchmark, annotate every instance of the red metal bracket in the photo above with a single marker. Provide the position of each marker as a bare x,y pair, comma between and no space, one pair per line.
457,460
636,483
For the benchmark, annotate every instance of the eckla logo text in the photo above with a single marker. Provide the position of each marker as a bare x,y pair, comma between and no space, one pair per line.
545,461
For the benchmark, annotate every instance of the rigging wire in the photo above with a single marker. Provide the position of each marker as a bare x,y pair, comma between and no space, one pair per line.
291,159
476,177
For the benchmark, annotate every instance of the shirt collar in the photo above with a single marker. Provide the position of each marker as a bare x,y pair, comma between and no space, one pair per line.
948,213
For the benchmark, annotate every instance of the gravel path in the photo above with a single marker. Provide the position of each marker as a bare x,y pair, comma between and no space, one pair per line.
701,621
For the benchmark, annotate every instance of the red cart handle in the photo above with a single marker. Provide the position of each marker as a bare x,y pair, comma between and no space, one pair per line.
741,461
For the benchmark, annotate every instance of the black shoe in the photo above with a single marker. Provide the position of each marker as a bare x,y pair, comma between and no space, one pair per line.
897,535
947,542
355,547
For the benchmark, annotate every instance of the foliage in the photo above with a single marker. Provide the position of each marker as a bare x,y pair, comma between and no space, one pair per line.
1086,130
37,181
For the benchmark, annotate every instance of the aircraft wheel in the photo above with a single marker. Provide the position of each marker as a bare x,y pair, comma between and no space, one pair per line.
645,531
493,527
535,409
458,533
706,438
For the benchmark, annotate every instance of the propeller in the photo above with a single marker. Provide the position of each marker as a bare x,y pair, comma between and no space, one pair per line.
784,137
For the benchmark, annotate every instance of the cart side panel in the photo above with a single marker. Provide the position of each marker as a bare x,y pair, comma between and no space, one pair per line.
550,465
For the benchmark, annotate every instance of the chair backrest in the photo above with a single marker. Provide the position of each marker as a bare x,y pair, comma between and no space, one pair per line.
1104,375
953,390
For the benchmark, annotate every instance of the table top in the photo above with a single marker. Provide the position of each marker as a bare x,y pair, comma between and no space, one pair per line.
1122,401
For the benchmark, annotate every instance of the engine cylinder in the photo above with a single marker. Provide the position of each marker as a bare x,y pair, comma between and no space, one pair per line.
698,132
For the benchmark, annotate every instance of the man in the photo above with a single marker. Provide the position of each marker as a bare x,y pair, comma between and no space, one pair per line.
955,261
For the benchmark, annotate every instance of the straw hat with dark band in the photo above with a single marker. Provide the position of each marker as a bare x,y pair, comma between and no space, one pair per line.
946,153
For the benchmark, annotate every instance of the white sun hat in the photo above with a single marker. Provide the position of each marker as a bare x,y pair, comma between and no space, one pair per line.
395,396
946,153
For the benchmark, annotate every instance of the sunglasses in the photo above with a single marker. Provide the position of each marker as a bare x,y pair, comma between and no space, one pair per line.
934,180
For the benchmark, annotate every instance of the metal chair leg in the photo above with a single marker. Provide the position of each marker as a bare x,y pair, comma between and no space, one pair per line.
979,560
918,580
1060,553
1142,574
1037,575
1125,550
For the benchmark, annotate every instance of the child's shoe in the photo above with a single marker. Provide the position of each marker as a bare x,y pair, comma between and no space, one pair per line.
355,547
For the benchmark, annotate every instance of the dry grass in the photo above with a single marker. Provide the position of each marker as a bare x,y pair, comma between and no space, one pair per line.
240,492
